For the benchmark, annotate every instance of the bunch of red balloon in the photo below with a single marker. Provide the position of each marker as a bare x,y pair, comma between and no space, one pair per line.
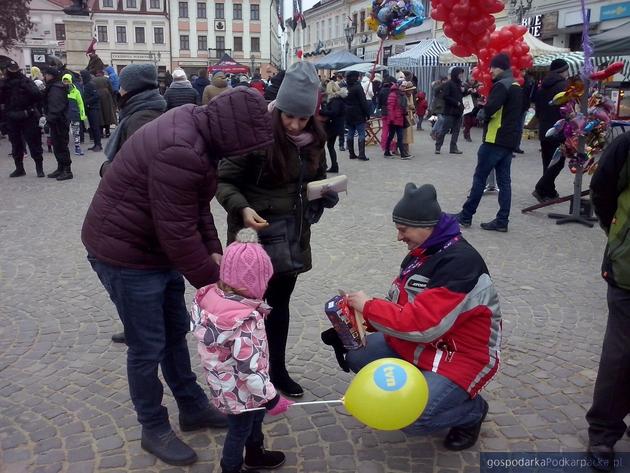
508,40
467,22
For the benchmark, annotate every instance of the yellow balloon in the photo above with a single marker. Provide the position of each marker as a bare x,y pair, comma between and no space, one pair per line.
387,394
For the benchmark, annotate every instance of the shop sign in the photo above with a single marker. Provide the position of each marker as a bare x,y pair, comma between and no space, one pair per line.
38,56
617,10
534,24
131,56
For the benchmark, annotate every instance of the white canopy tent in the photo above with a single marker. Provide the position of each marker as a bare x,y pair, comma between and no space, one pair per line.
536,48
421,59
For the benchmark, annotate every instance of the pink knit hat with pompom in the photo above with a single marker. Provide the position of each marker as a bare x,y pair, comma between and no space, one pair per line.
245,265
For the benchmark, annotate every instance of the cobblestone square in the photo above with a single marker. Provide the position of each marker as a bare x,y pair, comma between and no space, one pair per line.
64,404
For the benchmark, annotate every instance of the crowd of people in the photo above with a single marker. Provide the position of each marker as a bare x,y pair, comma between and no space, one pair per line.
149,228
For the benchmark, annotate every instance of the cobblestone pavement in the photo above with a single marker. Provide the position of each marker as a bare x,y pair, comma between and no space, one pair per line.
64,404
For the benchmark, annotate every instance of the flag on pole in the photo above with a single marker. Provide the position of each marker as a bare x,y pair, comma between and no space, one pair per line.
280,13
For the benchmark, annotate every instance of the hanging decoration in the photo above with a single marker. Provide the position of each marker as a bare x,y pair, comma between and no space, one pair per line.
391,18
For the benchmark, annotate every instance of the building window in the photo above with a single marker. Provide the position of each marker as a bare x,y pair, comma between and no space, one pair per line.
362,22
108,3
202,43
132,4
155,4
101,34
255,12
330,36
255,45
238,43
183,9
140,34
184,42
337,30
219,10
238,11
355,20
158,35
201,10
60,31
221,44
121,34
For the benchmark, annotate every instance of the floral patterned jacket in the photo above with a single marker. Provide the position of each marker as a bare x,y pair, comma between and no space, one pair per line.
233,349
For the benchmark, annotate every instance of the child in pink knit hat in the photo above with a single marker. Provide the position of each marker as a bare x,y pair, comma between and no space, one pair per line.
229,322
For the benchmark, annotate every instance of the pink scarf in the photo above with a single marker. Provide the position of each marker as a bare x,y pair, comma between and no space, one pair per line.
303,139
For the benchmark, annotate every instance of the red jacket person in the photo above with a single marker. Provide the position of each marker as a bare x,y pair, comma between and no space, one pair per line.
441,314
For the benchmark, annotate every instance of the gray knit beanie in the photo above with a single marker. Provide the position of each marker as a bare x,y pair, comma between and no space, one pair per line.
418,207
298,93
136,77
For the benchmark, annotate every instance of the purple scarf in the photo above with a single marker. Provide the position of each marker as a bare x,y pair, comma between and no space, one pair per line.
446,229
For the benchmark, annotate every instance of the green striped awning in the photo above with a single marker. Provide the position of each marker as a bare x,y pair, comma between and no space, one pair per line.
576,62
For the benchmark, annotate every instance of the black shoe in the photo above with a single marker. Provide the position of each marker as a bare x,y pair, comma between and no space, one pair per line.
284,383
96,148
519,151
462,221
540,198
468,138
494,226
341,148
387,154
119,338
208,418
18,173
602,456
65,175
333,169
437,150
56,173
456,151
461,438
168,448
330,337
39,168
258,457
363,158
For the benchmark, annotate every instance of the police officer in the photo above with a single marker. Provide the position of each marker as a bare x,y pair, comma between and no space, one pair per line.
20,100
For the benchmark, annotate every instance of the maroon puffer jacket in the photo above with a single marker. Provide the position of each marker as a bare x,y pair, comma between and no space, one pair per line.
152,208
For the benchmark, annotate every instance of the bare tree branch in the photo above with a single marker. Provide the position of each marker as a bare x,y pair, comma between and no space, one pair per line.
15,22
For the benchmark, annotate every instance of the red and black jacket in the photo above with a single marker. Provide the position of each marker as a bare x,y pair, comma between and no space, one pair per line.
443,315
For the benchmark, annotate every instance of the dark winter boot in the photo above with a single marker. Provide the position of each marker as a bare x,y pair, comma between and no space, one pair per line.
259,458
330,337
39,168
19,168
283,382
350,146
167,447
362,155
56,173
66,174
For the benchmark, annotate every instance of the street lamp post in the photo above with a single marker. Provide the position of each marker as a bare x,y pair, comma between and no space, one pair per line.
350,31
520,8
155,57
252,58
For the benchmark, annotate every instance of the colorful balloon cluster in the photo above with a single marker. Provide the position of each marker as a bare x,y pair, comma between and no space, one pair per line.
391,18
574,124
471,25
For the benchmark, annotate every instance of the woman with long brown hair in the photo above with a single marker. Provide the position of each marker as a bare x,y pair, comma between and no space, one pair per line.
261,189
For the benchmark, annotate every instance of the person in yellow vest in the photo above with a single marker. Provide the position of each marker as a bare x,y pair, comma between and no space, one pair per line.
610,194
76,112
501,136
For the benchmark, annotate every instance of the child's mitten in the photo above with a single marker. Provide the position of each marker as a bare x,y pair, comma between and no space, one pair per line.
278,405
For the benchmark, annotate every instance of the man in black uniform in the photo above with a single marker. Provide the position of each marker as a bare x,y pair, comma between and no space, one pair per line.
56,109
20,100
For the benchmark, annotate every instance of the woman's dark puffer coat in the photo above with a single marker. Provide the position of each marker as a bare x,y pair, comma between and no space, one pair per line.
152,208
245,181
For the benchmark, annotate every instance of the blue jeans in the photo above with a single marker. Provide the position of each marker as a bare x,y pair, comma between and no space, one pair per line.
358,128
448,406
491,157
152,308
244,430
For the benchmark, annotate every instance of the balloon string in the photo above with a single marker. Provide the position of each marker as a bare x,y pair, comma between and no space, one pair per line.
378,59
307,403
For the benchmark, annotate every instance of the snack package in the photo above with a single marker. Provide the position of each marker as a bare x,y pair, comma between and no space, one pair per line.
347,322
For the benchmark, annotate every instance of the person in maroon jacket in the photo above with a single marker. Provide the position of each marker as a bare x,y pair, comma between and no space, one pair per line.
441,314
148,227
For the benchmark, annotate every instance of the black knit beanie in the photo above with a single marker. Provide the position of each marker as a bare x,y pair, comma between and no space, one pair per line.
418,207
559,66
501,60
